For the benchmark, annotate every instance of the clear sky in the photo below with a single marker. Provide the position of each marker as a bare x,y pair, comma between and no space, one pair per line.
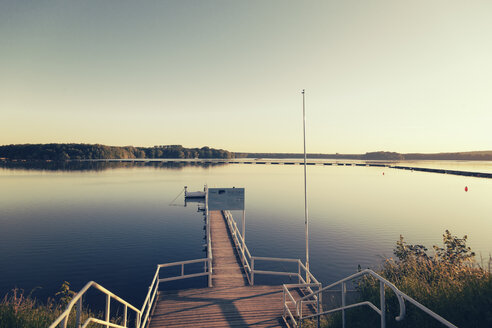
406,76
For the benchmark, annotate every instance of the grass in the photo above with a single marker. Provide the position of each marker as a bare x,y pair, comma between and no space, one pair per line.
450,283
18,310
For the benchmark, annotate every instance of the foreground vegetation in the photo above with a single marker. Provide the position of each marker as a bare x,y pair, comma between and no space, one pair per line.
450,283
18,310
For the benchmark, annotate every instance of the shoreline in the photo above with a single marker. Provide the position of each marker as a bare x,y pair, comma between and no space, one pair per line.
264,161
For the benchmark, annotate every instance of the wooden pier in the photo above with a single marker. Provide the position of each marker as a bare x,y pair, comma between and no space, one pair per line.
232,298
231,302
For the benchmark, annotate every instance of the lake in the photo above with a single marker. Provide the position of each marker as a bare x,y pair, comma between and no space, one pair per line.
113,223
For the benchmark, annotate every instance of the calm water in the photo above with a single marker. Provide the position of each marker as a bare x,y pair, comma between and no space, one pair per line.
114,225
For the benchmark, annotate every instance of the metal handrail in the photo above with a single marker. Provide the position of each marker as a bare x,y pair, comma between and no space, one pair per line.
286,309
287,292
101,322
244,254
63,318
300,266
236,233
275,259
209,238
142,315
308,272
281,259
206,261
248,260
401,297
149,301
154,286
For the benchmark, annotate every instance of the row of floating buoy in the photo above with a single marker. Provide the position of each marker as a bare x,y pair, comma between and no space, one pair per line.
466,187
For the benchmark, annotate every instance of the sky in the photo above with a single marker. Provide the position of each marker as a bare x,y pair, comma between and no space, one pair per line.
405,76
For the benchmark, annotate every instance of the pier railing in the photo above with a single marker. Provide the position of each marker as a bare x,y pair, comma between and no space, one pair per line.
248,261
288,299
208,237
207,270
142,315
298,319
62,320
244,254
304,276
154,286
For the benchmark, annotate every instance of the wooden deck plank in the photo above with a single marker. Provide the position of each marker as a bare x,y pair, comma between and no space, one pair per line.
231,302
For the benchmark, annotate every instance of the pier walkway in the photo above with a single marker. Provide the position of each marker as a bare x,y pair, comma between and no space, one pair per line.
231,302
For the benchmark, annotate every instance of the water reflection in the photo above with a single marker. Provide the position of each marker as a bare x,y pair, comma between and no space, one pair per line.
112,223
96,166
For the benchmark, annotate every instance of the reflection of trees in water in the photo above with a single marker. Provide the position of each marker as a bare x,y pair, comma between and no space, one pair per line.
99,165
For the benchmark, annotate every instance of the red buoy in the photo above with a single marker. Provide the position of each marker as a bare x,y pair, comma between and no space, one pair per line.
466,188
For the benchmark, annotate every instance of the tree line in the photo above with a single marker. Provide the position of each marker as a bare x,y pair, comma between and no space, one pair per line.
380,155
62,152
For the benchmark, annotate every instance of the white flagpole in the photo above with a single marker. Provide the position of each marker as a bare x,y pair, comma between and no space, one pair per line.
306,221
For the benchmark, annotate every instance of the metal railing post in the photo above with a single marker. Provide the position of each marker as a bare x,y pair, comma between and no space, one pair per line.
252,271
284,301
78,323
148,304
209,272
108,303
125,315
137,321
182,269
243,228
318,323
76,305
298,271
383,304
343,303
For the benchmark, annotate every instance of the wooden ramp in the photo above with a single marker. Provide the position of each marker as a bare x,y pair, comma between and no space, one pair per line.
231,302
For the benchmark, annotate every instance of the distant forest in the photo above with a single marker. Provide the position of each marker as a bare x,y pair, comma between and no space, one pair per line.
381,155
62,152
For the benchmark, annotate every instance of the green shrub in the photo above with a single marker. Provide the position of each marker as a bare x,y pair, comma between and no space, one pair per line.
20,311
450,283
